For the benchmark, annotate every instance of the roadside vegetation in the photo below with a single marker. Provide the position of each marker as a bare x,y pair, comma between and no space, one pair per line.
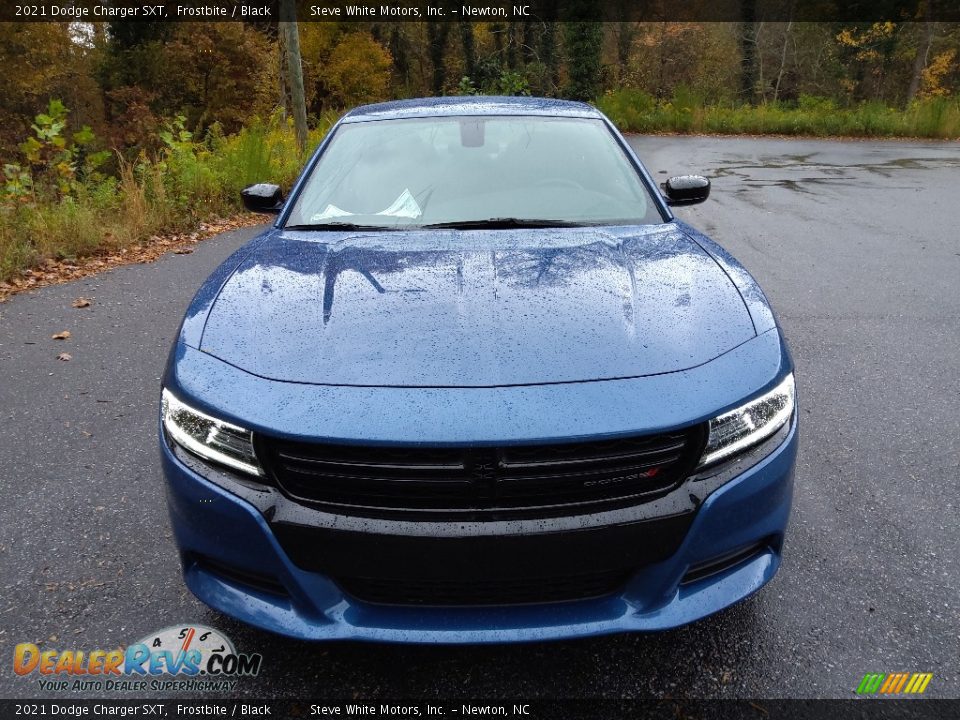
66,201
687,112
114,136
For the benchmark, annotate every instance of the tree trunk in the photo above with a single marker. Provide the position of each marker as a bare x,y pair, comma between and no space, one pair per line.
469,51
437,42
399,50
548,54
282,75
661,91
511,54
295,79
923,53
760,83
748,50
583,42
626,33
783,61
526,40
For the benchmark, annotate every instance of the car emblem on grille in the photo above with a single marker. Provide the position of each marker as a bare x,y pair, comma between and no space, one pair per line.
484,470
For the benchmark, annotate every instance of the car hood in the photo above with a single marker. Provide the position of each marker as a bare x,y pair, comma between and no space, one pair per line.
475,308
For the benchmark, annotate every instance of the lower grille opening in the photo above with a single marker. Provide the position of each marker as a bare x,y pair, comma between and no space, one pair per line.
722,563
263,583
519,591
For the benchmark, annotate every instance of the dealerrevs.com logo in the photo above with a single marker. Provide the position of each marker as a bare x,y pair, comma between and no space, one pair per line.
180,657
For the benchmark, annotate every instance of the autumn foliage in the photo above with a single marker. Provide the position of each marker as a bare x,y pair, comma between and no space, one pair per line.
113,134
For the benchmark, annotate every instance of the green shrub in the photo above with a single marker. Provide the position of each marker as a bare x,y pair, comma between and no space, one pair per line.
937,117
815,104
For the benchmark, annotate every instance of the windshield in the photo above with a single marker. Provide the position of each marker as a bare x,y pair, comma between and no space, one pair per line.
470,170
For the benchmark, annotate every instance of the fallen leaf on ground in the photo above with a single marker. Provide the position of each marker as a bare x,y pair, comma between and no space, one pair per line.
183,251
65,357
80,302
63,335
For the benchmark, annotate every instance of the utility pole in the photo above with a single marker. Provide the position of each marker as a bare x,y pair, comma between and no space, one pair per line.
295,72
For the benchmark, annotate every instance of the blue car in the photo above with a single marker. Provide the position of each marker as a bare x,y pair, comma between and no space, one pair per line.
477,384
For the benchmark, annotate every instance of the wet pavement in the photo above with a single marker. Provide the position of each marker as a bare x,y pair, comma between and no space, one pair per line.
856,245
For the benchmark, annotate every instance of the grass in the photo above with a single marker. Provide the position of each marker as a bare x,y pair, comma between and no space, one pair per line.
637,111
195,180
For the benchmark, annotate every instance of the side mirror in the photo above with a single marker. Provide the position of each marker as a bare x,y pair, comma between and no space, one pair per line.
686,190
262,198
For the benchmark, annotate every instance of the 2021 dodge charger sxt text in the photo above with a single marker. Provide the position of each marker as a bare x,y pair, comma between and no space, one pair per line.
477,384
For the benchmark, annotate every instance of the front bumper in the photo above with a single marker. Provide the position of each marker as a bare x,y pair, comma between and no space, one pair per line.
745,517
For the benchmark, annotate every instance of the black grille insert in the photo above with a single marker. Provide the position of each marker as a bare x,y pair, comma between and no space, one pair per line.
539,480
242,577
717,565
484,592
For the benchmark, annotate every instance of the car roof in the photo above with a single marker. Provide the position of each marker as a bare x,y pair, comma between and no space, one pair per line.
471,105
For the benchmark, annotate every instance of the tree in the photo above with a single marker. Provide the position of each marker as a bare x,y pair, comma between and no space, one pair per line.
701,57
923,53
932,79
209,72
783,61
213,73
129,35
626,33
436,45
748,50
317,41
469,48
549,56
358,70
584,45
870,55
40,61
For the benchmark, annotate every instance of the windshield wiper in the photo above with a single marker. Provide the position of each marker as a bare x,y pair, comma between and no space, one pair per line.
504,223
337,226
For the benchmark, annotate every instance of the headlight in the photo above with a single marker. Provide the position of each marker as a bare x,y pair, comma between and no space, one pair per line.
750,423
207,437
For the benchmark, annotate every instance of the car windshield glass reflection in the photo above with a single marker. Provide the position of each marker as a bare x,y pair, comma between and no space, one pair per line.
445,171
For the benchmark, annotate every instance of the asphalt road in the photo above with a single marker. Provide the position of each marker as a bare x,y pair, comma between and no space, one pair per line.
858,247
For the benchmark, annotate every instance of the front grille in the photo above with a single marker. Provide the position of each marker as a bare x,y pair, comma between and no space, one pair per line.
509,481
484,592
